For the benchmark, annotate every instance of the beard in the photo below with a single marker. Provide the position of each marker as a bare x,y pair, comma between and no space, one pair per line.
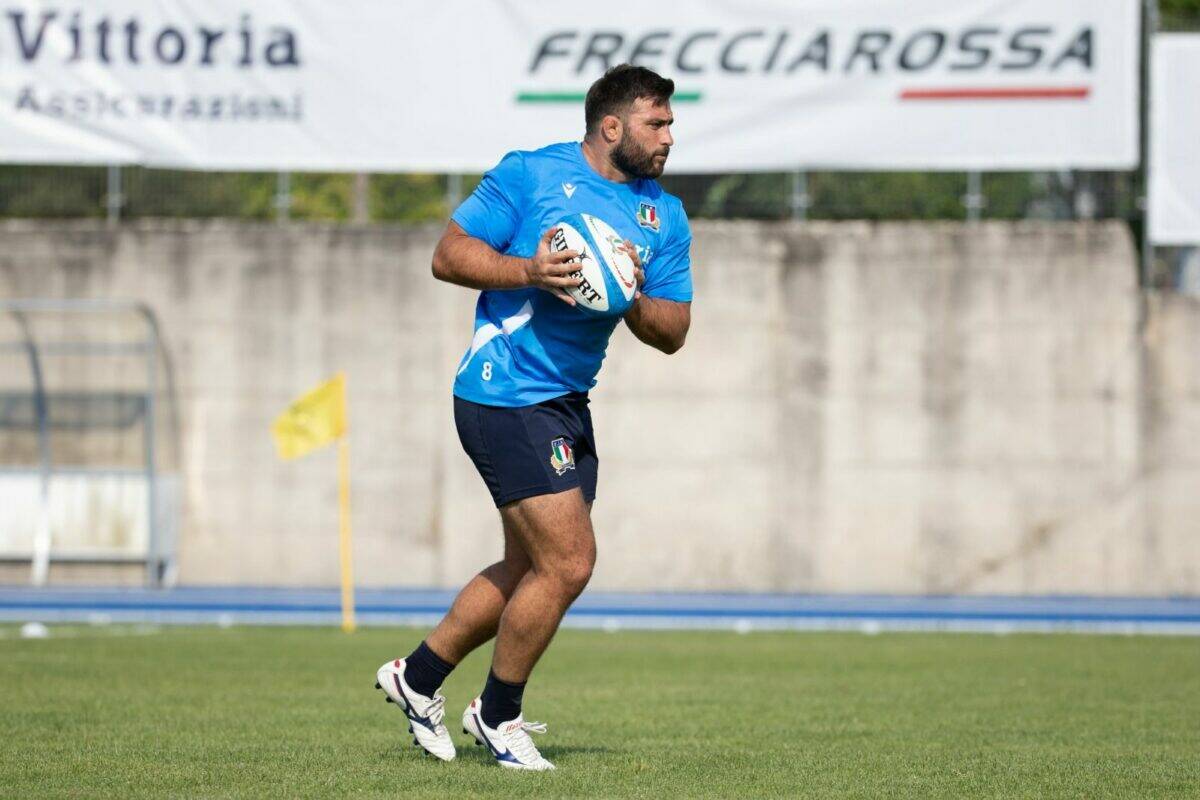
636,162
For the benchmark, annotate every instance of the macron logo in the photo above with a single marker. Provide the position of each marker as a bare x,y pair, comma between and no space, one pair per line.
568,189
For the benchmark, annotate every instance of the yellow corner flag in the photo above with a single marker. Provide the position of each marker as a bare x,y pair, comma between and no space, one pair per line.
313,421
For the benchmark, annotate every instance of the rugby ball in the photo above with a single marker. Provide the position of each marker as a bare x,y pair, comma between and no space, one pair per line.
608,283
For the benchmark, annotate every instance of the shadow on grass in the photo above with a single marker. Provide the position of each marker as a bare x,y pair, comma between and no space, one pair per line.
478,754
552,752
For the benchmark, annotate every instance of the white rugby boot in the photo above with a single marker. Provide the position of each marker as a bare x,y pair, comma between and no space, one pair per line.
425,714
510,744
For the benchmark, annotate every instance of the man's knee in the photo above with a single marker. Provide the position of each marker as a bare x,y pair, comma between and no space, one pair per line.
572,574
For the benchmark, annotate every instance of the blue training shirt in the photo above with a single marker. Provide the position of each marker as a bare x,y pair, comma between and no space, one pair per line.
529,346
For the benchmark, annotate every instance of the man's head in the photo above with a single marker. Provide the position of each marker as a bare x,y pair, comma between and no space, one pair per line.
628,113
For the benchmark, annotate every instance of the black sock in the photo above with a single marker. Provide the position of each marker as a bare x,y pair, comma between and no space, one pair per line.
501,701
425,670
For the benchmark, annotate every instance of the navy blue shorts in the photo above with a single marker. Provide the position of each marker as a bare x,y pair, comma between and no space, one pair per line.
540,449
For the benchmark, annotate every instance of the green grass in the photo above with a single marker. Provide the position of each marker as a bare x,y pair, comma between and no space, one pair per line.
260,712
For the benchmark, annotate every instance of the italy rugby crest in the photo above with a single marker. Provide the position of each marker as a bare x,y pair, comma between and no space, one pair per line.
648,216
562,458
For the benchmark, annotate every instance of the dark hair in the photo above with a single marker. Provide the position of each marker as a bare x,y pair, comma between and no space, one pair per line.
616,90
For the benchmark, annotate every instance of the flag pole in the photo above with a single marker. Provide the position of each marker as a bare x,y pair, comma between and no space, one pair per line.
344,528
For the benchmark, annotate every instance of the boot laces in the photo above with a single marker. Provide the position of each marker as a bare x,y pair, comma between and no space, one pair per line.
436,710
522,744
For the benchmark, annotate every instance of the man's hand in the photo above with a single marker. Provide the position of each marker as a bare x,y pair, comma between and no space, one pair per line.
551,271
662,324
638,274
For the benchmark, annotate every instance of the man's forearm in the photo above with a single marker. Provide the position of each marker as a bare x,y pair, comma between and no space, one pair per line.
467,261
662,324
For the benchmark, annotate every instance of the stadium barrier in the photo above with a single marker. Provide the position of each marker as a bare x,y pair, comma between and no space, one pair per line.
908,408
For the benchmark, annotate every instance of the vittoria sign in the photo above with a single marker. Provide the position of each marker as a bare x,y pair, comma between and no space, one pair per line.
776,84
104,38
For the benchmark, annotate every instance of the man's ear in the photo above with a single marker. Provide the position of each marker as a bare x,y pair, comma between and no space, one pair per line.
610,129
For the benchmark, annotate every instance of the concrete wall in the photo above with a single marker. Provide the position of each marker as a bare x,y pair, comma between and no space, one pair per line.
890,408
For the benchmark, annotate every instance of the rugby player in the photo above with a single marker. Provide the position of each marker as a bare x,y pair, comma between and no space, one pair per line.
521,393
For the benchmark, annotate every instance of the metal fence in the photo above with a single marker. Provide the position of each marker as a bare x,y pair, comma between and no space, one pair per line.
136,192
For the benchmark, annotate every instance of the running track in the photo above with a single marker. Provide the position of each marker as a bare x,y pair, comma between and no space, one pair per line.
741,612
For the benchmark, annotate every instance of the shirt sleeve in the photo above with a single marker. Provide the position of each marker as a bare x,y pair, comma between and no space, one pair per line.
669,274
492,212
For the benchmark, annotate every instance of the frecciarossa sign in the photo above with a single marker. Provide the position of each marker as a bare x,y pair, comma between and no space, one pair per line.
451,85
783,52
864,84
1020,61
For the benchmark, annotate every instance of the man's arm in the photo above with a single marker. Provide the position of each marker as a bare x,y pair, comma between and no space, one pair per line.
662,324
466,261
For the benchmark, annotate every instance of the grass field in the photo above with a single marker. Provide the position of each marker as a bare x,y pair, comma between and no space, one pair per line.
291,712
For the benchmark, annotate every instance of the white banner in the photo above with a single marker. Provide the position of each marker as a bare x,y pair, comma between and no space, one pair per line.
1175,132
377,85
